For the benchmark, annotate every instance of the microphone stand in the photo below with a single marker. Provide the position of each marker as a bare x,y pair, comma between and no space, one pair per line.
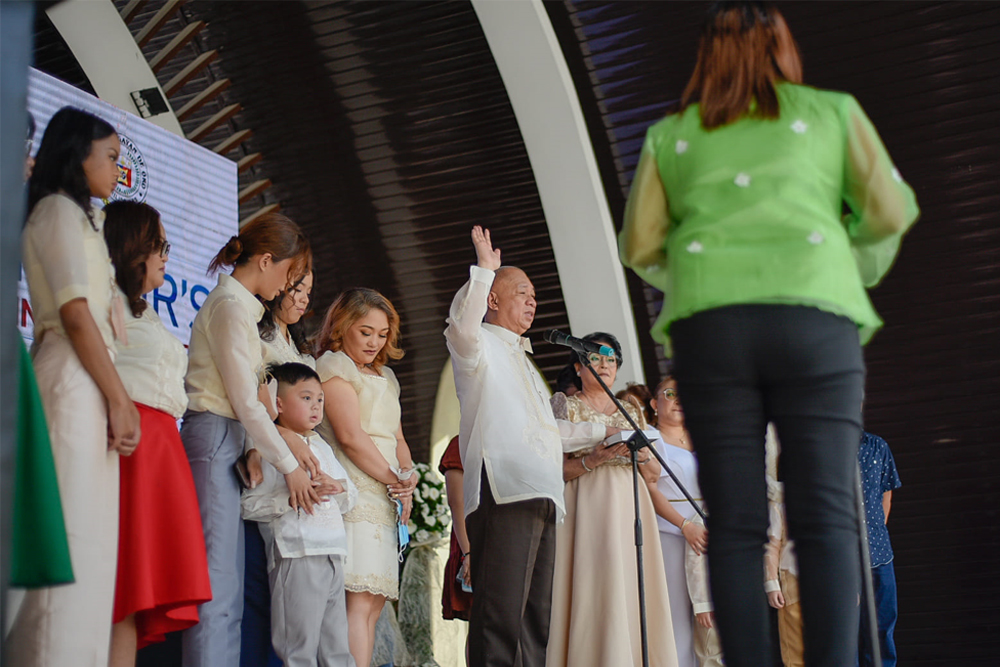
635,443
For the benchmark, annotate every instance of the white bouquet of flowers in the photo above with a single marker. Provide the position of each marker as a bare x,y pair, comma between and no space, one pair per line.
420,584
431,517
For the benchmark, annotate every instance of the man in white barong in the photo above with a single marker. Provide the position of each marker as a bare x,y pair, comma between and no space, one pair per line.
512,453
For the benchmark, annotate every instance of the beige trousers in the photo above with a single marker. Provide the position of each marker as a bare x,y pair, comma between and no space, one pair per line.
707,646
70,625
790,621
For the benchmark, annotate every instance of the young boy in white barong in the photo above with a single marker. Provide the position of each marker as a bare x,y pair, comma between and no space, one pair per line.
305,552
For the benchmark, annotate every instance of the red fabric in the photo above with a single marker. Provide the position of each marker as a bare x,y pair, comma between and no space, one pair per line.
455,603
452,458
162,567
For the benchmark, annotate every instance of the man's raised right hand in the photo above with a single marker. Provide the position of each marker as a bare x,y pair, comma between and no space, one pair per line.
487,257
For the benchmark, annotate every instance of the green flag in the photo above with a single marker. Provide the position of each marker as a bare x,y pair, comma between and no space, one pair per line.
39,549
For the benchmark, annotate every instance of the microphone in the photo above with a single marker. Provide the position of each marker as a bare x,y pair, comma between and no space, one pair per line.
557,337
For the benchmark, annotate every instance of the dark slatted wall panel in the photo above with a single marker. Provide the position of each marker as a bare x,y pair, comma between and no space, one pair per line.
52,54
387,133
927,75
201,80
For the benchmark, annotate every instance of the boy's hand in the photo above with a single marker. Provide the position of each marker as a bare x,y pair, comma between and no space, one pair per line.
706,619
301,494
254,469
326,486
486,256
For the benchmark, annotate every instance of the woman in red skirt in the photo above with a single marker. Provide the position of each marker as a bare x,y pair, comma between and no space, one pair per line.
455,602
162,567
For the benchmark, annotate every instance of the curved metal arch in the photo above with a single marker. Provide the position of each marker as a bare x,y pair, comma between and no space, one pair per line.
107,53
548,113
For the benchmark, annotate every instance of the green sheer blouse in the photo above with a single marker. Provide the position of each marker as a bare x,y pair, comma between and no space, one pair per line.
752,212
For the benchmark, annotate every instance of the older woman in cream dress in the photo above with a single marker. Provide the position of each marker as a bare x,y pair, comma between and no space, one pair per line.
595,599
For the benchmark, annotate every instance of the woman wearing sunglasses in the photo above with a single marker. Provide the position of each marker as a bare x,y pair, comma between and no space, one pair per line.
595,567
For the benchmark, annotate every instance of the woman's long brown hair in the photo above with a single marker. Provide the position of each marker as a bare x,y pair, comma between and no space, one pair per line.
745,49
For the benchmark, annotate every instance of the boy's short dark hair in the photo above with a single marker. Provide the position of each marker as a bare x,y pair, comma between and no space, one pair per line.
292,373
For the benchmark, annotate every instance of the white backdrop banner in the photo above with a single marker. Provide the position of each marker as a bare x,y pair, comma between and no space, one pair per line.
194,189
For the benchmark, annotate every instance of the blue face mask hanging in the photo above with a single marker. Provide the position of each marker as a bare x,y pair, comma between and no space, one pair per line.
404,532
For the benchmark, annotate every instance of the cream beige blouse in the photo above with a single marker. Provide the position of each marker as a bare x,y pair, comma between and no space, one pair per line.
66,258
225,366
152,364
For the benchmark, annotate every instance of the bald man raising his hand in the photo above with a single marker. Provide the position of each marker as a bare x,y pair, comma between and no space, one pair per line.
511,450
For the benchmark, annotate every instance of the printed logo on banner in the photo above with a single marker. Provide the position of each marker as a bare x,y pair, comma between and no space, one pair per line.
194,189
133,176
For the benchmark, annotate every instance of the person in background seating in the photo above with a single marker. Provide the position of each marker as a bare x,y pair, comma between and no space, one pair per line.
879,478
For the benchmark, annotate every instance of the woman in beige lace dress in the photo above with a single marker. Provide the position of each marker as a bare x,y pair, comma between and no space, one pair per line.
595,599
360,334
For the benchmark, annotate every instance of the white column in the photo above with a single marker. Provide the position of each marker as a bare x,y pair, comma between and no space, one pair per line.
108,55
548,113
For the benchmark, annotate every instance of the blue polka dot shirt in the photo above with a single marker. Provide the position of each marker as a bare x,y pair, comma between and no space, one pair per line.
878,475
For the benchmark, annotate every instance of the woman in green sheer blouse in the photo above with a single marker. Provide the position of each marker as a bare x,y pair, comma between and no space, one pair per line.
750,212
737,214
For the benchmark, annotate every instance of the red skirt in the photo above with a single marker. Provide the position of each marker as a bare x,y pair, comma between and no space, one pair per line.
162,566
455,603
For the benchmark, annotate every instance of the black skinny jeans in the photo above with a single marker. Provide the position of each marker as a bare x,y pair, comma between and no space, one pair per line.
737,368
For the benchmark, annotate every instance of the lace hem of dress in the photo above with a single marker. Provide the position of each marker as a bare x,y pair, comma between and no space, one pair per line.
378,584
